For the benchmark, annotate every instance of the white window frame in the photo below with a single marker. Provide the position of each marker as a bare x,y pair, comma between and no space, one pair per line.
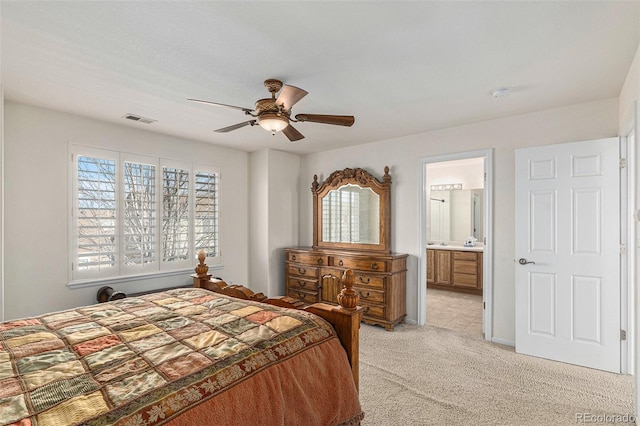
122,272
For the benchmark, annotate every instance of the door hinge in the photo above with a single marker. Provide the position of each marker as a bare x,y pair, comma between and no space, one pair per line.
623,249
623,163
623,334
485,176
484,305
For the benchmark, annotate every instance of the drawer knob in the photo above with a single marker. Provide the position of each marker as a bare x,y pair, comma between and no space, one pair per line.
302,283
365,310
374,266
340,263
293,257
363,296
320,261
363,281
302,271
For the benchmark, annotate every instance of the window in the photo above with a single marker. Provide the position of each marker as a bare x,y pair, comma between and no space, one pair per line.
133,215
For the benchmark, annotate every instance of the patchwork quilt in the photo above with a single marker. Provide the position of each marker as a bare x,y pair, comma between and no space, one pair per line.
142,361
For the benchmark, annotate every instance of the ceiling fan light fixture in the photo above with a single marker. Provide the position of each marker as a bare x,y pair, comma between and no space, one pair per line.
273,123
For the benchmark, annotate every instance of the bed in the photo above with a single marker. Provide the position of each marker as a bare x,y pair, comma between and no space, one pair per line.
187,356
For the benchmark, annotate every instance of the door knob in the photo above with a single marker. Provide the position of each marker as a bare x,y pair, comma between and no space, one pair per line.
524,261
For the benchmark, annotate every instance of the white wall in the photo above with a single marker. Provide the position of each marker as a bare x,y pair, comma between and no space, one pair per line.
258,221
470,173
273,215
1,201
37,203
573,123
629,97
284,199
1,184
630,92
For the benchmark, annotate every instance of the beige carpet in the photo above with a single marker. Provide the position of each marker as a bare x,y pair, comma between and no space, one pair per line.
434,376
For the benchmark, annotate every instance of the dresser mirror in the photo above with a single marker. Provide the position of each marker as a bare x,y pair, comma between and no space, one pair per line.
351,214
352,211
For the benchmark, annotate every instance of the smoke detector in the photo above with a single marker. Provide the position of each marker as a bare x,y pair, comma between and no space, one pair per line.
500,92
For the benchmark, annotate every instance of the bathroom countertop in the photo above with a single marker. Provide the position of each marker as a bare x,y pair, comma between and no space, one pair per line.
454,247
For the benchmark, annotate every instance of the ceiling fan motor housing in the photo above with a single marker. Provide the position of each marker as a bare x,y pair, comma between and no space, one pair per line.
266,105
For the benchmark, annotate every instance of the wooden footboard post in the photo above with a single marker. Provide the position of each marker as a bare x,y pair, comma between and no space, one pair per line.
201,277
346,321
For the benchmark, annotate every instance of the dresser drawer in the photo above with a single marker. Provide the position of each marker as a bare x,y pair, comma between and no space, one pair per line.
376,311
359,264
296,283
304,296
465,266
307,258
367,281
370,296
302,271
465,255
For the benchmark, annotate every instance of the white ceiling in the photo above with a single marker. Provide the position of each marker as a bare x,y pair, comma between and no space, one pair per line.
400,67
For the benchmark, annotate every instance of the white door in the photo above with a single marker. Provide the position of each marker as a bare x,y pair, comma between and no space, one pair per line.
568,253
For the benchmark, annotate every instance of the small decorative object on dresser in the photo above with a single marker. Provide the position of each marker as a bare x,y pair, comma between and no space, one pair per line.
351,230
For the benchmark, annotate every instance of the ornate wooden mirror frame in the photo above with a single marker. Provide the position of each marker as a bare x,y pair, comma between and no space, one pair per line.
363,179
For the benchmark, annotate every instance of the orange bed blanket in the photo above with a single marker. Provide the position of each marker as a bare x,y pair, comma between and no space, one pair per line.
181,357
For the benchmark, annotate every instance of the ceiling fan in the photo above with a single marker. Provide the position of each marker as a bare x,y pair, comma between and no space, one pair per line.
274,114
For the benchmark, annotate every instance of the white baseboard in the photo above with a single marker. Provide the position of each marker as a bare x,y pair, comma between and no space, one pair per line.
503,341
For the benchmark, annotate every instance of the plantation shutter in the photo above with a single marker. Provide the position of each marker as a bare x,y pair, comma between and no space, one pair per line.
206,212
95,215
175,214
139,215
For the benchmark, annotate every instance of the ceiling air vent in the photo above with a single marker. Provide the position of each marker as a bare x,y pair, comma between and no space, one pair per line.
139,119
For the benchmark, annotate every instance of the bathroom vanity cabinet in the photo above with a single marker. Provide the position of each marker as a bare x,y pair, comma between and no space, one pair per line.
454,269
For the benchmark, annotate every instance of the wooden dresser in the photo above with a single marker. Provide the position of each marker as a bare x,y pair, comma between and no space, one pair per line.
313,275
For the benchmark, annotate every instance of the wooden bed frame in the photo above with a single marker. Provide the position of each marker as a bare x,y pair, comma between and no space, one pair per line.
344,318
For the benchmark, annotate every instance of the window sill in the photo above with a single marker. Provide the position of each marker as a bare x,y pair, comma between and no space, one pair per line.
95,282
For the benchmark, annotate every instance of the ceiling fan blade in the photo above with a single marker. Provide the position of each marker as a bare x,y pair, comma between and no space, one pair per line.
292,133
219,104
289,96
338,120
236,126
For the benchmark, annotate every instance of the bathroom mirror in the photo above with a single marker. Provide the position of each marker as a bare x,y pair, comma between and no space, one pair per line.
456,215
351,211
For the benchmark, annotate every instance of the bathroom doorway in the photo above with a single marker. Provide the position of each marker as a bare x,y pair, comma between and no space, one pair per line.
455,244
